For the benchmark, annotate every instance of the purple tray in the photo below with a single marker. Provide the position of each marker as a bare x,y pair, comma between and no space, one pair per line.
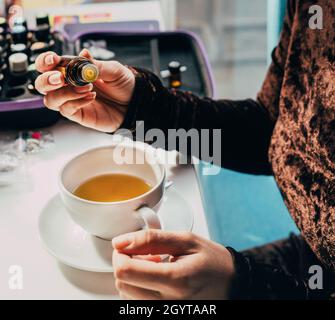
73,33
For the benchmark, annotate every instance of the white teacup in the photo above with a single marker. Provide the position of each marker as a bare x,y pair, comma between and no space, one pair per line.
110,219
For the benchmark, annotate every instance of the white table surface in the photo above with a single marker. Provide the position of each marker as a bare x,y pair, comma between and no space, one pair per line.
20,207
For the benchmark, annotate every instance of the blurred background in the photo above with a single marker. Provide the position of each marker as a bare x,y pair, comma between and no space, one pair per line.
234,32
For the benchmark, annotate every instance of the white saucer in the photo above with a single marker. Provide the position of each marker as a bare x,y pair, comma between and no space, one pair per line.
73,246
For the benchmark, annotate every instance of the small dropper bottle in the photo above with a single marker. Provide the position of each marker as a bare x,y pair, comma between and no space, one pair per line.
78,71
175,74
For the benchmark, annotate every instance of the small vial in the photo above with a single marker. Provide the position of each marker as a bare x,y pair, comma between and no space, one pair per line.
18,63
175,74
18,66
42,33
78,71
19,34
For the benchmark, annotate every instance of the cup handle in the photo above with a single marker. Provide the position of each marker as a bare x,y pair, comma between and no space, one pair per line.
151,221
150,218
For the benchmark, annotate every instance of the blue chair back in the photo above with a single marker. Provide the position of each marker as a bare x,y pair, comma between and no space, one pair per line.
244,210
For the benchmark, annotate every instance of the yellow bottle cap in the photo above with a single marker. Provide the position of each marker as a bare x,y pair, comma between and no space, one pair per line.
89,73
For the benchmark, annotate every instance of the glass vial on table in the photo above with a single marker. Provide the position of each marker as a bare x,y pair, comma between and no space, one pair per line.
19,34
18,66
175,74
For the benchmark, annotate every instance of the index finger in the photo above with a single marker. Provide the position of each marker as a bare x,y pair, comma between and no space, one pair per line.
142,273
47,61
154,241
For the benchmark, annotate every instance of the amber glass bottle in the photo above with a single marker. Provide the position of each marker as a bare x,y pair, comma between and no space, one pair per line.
78,71
175,74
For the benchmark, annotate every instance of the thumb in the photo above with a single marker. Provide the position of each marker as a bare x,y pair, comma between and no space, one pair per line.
156,242
108,70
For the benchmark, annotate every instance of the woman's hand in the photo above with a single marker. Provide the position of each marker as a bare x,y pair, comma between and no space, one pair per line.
198,268
101,106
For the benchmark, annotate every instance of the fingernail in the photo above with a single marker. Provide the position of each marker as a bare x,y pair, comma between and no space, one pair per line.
55,78
90,95
49,59
84,51
122,241
88,87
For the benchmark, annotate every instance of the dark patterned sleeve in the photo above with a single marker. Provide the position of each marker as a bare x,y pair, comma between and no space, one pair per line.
256,280
245,125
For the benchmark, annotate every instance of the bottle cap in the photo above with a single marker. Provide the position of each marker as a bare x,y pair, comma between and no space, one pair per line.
174,66
39,47
18,47
42,18
18,62
89,72
31,87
